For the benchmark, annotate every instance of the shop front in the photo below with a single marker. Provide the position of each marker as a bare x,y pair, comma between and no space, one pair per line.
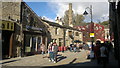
32,41
7,38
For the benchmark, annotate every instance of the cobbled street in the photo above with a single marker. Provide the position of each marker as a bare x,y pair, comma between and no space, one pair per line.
64,59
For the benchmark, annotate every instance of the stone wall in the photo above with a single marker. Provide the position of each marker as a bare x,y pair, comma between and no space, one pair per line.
11,10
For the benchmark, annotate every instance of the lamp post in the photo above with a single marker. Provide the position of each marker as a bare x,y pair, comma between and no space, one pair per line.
92,24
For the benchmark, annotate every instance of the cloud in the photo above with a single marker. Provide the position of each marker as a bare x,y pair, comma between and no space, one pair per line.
49,19
100,9
58,7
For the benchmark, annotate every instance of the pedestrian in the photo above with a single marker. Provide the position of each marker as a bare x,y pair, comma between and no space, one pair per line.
42,47
109,46
55,51
97,51
71,47
74,48
78,47
50,52
103,55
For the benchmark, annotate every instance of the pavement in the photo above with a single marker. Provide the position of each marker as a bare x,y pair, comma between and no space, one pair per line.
66,59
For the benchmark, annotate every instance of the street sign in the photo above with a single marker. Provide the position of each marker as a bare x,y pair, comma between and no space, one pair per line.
91,34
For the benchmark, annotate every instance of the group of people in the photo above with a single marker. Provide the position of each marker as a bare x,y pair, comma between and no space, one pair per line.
75,47
101,52
52,52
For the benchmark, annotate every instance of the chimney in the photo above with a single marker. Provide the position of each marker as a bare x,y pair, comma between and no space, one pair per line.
70,14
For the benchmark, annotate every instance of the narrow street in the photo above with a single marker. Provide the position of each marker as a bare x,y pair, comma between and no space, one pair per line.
64,59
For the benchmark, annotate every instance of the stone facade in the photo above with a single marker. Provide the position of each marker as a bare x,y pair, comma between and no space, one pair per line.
28,30
63,35
11,10
11,19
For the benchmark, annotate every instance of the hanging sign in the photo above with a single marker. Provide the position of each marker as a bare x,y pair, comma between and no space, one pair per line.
7,25
91,34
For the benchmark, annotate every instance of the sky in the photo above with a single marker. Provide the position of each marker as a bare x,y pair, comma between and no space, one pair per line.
53,8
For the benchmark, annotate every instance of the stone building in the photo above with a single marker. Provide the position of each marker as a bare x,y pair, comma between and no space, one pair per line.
22,30
34,30
114,17
61,34
10,28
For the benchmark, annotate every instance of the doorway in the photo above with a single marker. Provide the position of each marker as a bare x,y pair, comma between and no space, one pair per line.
6,35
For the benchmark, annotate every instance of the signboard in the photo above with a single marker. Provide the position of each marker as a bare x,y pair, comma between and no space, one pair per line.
91,34
7,25
33,28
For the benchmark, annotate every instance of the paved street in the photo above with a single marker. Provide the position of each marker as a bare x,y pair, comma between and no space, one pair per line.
64,59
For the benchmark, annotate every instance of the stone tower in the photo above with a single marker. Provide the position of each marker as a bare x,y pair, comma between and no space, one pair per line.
70,14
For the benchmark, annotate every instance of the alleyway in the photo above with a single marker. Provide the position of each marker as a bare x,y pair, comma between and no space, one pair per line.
64,59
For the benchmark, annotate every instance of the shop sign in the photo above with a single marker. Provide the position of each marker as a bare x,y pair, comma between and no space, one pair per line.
33,28
7,25
91,34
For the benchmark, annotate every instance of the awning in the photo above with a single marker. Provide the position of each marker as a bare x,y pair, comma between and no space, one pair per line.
34,32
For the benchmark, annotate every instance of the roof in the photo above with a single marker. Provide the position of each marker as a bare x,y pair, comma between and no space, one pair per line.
57,25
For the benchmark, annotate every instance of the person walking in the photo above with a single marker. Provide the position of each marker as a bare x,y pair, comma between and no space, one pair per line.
103,55
42,47
55,51
50,52
71,47
97,51
78,47
74,48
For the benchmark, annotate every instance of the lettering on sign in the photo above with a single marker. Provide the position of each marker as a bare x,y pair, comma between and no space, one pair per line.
7,26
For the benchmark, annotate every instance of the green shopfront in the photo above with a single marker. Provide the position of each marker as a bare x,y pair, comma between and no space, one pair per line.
32,40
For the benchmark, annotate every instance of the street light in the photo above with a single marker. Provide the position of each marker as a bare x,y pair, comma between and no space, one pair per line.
92,24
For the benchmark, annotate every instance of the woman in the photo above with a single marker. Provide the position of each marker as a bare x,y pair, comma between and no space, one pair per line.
50,52
42,48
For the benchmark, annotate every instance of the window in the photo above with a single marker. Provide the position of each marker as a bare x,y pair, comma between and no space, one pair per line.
77,34
70,33
56,29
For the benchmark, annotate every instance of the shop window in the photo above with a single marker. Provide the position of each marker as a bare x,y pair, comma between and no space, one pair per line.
27,43
39,40
27,40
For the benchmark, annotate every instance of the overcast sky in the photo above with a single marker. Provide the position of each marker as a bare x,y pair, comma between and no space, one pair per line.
54,8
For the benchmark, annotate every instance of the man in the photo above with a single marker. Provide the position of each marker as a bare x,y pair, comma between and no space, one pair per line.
55,51
97,51
103,53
